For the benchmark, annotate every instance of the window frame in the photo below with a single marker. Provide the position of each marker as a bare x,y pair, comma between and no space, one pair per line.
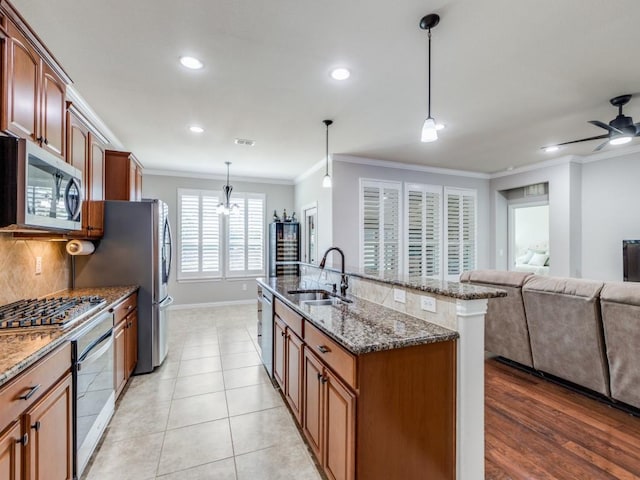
462,192
246,273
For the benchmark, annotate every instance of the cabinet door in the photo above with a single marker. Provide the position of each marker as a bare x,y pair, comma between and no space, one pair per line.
279,343
339,457
22,80
293,373
312,411
53,112
132,342
96,169
11,453
50,427
119,352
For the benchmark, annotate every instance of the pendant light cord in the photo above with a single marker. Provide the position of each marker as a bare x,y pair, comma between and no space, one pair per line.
327,149
429,76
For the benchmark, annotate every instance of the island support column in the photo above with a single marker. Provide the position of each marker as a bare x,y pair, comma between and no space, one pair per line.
470,390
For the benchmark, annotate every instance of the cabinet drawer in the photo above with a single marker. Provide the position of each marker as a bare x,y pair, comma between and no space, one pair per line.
125,308
43,375
332,354
288,316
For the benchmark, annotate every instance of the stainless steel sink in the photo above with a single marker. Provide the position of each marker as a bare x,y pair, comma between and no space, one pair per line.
318,297
326,301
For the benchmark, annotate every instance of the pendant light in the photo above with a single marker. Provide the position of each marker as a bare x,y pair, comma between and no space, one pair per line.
226,207
326,181
429,128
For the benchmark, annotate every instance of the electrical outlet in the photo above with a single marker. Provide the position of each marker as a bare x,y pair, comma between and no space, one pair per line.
428,303
323,275
399,295
244,287
38,265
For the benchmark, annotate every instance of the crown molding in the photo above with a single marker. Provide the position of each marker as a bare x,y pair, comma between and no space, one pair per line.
614,153
554,162
210,176
89,115
409,166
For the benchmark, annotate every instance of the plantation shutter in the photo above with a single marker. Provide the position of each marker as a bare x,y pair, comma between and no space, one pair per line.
423,204
460,232
380,227
199,234
246,235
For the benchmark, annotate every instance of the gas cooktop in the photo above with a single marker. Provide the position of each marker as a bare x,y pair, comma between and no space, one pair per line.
48,312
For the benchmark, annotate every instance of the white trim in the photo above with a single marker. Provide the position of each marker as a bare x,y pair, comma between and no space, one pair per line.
313,169
89,113
304,234
613,153
554,162
187,306
409,166
211,176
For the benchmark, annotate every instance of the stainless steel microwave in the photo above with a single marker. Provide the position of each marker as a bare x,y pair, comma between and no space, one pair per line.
39,191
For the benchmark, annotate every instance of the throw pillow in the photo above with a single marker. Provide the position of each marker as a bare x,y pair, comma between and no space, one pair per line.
538,259
524,259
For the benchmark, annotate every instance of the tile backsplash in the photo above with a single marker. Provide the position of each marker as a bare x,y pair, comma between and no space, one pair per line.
18,279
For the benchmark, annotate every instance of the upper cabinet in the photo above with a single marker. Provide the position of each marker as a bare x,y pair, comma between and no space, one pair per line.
34,88
123,176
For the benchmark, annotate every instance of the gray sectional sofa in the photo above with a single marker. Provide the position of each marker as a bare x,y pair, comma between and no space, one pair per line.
583,331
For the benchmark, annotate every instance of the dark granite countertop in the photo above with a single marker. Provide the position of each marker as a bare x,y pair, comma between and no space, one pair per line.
21,349
362,326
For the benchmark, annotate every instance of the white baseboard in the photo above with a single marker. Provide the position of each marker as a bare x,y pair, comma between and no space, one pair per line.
186,306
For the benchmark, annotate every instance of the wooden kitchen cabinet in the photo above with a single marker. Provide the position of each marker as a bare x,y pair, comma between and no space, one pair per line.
125,341
49,452
287,367
11,452
279,348
123,176
37,420
34,89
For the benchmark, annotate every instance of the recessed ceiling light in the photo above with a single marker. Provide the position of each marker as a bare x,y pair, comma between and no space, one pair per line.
340,73
551,149
620,140
440,126
244,141
191,63
196,129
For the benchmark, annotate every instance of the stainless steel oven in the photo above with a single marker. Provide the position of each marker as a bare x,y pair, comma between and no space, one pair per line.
93,382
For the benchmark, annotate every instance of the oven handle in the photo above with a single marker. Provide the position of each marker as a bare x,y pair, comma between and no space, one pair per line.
88,357
73,213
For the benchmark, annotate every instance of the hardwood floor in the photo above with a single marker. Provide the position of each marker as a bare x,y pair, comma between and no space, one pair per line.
538,430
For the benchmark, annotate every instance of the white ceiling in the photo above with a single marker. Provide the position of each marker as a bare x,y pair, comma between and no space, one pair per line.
508,77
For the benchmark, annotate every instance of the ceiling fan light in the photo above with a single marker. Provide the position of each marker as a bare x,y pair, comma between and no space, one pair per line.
326,181
429,131
621,140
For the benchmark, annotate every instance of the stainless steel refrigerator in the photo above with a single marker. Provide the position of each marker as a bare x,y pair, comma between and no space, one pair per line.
135,250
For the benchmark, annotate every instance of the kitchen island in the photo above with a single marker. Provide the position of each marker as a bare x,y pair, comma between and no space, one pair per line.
391,379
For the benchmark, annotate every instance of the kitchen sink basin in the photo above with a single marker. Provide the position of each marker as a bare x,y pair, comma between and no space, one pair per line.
318,297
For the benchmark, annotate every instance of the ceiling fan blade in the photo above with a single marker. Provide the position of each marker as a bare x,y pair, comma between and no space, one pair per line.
600,124
601,146
582,140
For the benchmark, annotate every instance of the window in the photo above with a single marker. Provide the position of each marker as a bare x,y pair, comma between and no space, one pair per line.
208,241
423,207
199,234
460,227
246,235
380,227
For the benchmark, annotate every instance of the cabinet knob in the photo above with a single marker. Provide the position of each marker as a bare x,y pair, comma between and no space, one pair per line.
24,440
324,349
40,139
319,376
36,426
324,379
30,393
282,333
46,142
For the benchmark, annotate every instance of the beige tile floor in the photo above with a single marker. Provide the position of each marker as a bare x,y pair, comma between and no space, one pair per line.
209,412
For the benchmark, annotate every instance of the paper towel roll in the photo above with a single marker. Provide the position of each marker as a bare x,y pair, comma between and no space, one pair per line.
80,247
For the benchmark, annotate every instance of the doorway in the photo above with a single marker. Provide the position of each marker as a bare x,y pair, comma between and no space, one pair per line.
310,233
529,237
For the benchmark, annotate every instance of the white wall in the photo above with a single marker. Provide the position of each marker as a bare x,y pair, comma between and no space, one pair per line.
279,196
346,176
309,190
531,227
565,232
610,206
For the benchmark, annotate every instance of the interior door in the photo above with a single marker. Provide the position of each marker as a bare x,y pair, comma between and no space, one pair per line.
310,248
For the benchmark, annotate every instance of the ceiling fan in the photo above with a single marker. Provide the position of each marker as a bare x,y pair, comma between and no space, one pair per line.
620,130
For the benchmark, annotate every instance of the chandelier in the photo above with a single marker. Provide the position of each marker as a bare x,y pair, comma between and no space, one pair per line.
227,207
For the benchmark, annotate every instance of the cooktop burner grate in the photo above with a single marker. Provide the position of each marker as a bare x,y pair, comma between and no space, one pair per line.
55,311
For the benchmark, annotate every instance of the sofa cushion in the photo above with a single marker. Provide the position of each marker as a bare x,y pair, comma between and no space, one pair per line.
620,303
499,277
565,329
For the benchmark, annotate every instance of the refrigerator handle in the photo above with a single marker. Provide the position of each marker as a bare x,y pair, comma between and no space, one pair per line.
166,302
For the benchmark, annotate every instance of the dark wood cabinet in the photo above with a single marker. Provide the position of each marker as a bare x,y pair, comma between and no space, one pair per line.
293,374
11,452
33,105
50,428
125,342
123,176
313,406
279,348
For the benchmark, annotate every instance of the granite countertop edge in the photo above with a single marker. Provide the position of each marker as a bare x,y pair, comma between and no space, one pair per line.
113,296
443,336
